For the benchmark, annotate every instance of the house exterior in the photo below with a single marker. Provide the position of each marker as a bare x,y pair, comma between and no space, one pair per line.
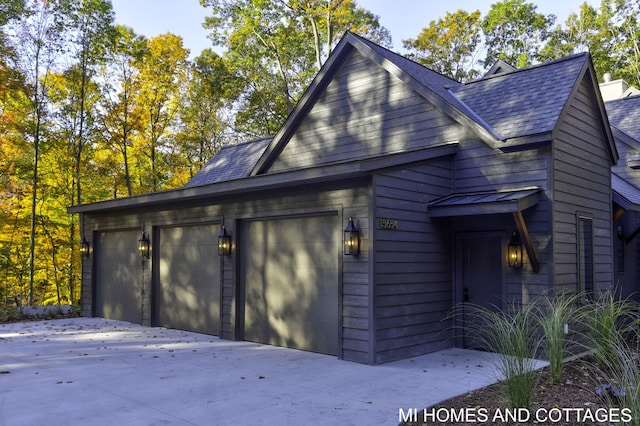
623,107
435,175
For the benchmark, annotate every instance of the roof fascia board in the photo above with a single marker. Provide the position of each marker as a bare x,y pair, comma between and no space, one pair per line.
234,187
525,143
623,137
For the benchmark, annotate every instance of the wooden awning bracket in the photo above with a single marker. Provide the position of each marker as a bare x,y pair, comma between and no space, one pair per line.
618,214
526,240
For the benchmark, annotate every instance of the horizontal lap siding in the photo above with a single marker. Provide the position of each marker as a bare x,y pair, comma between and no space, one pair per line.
413,282
364,112
345,202
582,184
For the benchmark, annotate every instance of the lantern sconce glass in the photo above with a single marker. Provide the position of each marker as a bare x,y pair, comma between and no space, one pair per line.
514,252
85,248
351,239
144,245
224,243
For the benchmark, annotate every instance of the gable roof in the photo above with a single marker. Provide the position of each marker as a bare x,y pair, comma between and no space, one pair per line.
230,162
502,109
498,68
525,101
434,87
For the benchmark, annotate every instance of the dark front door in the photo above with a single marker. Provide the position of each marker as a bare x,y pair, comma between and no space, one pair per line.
480,275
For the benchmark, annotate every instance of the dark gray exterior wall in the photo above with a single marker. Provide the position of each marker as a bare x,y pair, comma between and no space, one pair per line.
582,186
413,290
363,113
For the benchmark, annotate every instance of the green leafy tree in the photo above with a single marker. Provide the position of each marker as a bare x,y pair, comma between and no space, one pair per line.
162,77
449,45
327,20
627,42
89,30
275,47
204,124
580,33
121,115
514,32
37,48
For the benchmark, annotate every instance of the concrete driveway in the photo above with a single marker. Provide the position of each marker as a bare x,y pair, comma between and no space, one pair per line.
89,371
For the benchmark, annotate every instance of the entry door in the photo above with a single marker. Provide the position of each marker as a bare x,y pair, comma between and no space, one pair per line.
290,276
480,275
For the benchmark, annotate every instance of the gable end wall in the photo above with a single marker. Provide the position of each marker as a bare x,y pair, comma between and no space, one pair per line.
582,185
363,113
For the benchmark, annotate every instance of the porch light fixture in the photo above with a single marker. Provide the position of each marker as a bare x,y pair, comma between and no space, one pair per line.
85,248
143,245
224,243
514,252
351,239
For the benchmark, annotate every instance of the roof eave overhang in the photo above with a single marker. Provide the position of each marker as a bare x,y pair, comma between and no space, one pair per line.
272,181
624,202
525,143
227,188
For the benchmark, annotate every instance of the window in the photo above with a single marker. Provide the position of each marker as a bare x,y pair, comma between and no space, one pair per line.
585,254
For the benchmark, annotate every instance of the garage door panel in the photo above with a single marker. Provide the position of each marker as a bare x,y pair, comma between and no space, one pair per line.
118,280
291,286
189,281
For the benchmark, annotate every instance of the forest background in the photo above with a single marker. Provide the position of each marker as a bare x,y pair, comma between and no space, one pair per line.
90,110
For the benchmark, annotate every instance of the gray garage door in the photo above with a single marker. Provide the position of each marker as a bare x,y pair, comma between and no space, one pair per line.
188,295
290,275
118,276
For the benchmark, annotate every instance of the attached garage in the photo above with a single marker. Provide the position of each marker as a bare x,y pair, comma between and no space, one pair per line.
289,273
118,276
188,284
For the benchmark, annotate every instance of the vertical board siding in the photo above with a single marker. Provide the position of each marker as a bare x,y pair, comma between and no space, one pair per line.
355,318
364,112
582,185
413,290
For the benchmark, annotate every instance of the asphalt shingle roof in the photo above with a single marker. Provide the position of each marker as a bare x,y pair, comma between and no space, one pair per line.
625,115
230,162
517,103
526,101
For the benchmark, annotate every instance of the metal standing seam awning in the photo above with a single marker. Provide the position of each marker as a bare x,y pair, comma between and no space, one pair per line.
513,201
479,203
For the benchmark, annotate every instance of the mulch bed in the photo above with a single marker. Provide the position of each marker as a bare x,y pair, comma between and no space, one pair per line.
571,402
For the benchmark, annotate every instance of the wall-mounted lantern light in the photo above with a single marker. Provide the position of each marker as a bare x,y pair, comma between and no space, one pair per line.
144,245
514,252
224,243
351,239
85,248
